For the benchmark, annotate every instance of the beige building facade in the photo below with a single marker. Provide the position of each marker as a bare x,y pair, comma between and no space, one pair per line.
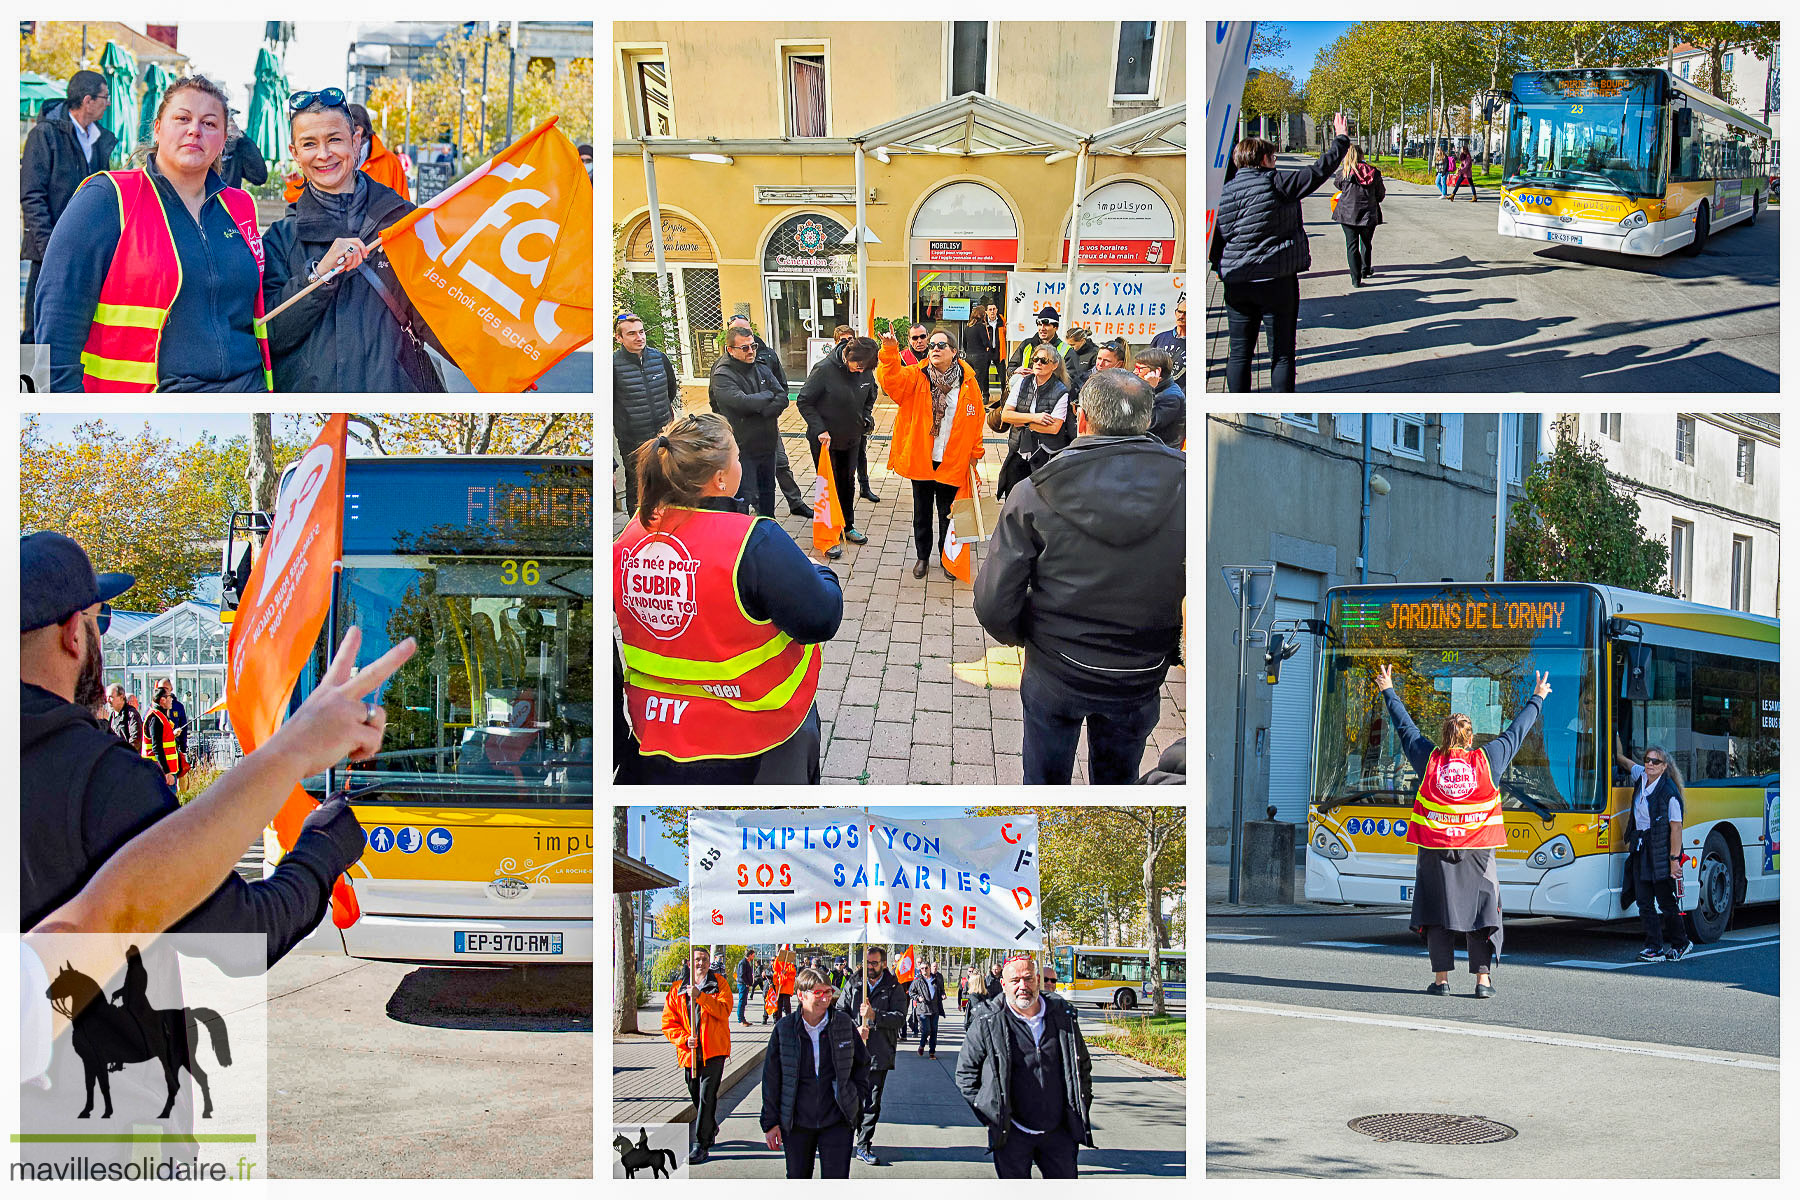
752,133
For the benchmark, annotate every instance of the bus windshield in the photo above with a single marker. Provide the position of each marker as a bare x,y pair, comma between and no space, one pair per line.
1461,648
1592,129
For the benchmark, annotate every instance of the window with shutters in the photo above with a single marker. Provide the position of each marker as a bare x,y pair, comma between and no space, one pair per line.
1408,436
1303,420
806,94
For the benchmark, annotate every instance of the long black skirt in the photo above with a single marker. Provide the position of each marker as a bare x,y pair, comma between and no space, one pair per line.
1460,890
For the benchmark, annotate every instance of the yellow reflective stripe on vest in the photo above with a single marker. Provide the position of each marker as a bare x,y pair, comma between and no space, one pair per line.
130,316
662,666
1475,806
777,696
118,370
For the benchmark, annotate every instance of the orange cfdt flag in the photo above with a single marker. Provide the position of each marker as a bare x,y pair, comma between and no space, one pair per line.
903,966
501,266
284,606
828,514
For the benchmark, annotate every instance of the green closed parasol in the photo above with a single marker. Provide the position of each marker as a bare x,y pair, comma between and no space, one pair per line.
267,123
34,92
157,79
121,115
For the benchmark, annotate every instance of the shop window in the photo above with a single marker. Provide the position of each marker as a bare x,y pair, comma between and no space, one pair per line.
969,45
705,315
1132,69
806,95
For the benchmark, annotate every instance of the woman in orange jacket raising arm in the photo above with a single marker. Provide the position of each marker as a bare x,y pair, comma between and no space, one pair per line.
937,436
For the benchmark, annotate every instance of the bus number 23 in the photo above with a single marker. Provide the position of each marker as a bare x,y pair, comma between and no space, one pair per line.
513,572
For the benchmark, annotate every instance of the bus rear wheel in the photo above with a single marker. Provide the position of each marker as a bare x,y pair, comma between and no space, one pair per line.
1702,225
1125,999
1716,900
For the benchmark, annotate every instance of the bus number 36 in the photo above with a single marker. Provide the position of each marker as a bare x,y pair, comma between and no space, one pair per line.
515,572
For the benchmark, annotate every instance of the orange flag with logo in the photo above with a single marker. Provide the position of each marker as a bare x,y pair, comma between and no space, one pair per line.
903,966
284,608
501,266
956,554
828,514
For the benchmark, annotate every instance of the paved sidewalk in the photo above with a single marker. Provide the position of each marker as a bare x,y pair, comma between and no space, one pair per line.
1283,1081
1218,887
912,690
927,1130
648,1085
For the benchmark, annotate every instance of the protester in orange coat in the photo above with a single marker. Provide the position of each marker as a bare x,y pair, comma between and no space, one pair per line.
697,1021
786,970
937,435
382,165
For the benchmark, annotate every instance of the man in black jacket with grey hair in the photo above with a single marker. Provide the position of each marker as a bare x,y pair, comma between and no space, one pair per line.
877,1002
1086,571
1024,1069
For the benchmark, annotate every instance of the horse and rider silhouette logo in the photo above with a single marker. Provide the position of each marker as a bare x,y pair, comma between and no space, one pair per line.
635,1157
108,1034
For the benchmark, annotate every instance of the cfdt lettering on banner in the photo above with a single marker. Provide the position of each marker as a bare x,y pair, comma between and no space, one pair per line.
959,881
755,875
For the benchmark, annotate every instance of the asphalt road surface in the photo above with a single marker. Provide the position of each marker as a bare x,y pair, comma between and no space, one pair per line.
395,1071
1573,977
927,1130
1456,307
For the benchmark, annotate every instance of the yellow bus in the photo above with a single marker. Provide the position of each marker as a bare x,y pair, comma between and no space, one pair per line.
481,832
1117,976
1635,161
1628,670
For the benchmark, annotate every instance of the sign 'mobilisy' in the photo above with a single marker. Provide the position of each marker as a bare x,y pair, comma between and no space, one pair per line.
838,874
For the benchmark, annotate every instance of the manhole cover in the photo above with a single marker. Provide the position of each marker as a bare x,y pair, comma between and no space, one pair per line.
1441,1128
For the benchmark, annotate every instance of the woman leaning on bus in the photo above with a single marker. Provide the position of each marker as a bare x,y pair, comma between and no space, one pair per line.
1457,826
1653,835
721,616
152,281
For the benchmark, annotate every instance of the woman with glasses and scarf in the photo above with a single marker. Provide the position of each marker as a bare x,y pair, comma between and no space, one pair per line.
152,278
357,332
1038,412
1653,869
937,432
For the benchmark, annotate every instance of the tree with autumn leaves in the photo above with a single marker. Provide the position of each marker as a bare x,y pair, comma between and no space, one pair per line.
158,508
447,92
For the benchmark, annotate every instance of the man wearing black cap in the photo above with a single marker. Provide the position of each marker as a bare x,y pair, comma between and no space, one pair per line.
1047,321
85,794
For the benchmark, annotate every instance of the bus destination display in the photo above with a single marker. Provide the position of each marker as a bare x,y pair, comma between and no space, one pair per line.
460,507
1420,618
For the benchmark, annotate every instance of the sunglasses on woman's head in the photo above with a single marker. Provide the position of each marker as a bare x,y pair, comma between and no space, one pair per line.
330,97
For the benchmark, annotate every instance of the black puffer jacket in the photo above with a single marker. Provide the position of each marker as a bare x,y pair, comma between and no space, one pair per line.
751,398
836,400
1259,234
342,337
1360,203
1168,420
1087,564
51,167
888,999
646,395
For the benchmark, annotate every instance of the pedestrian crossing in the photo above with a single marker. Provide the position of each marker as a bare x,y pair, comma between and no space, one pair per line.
1754,938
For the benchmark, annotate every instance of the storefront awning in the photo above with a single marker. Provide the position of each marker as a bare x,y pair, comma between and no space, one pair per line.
635,875
1161,132
971,124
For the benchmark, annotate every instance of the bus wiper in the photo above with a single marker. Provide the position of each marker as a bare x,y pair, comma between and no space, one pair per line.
1331,802
1529,801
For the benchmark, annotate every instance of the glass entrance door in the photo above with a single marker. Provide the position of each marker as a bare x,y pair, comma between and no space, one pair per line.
792,319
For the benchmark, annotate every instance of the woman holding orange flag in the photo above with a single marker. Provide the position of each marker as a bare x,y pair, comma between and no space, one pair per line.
358,332
937,434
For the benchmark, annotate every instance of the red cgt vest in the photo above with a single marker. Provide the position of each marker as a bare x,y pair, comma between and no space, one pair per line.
1458,805
703,680
142,283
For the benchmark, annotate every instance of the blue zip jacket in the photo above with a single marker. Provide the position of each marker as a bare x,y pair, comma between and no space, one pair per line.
208,344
